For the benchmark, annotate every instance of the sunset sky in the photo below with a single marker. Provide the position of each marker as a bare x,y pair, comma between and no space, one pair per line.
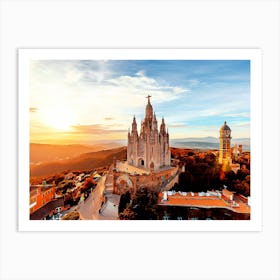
83,101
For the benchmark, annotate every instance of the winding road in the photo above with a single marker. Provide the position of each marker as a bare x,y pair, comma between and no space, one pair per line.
89,209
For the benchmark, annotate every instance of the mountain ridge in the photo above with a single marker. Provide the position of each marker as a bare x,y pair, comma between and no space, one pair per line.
87,161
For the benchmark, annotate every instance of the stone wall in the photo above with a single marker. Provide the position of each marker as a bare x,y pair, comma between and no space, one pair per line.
165,178
171,183
124,167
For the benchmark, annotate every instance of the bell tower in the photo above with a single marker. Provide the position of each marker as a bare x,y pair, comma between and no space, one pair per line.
225,149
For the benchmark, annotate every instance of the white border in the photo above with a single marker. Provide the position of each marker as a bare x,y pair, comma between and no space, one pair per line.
254,55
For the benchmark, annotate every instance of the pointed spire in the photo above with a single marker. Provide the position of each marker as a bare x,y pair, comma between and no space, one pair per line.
149,96
154,118
134,124
149,110
162,126
154,123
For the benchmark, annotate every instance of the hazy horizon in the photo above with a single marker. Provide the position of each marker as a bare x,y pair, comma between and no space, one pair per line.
124,141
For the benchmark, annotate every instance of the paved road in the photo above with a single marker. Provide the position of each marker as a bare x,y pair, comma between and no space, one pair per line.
89,209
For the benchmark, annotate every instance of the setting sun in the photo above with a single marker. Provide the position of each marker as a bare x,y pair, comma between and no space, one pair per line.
58,118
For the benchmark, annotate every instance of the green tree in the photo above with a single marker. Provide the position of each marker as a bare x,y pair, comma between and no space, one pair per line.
127,214
143,206
124,201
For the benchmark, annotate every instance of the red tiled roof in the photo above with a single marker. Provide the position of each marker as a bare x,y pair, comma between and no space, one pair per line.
201,201
227,192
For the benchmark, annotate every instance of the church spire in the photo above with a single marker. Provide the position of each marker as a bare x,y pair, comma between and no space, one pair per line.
149,109
162,126
134,125
155,124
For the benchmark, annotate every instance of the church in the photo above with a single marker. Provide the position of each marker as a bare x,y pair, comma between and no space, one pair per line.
149,149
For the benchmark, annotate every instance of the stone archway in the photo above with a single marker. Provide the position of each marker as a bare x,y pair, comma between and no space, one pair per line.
141,162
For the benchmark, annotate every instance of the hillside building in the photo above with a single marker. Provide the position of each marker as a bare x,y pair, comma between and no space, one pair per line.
43,202
40,195
149,150
225,149
202,206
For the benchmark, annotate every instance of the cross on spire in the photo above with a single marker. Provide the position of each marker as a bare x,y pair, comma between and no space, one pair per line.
149,96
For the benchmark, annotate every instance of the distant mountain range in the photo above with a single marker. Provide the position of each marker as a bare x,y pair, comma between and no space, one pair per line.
46,159
85,161
40,153
207,143
209,139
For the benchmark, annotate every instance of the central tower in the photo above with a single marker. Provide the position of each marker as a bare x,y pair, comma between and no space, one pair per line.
150,148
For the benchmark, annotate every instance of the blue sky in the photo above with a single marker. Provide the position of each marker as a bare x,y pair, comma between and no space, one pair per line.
83,101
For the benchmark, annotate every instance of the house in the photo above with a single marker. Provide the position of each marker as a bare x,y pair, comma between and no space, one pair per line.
48,209
40,195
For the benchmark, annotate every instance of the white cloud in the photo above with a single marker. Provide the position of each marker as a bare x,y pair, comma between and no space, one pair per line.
236,115
90,95
138,81
140,73
193,82
138,86
72,76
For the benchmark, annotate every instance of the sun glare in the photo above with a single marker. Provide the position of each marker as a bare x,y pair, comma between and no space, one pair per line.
59,119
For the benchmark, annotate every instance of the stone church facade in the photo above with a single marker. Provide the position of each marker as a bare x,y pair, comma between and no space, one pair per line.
149,149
